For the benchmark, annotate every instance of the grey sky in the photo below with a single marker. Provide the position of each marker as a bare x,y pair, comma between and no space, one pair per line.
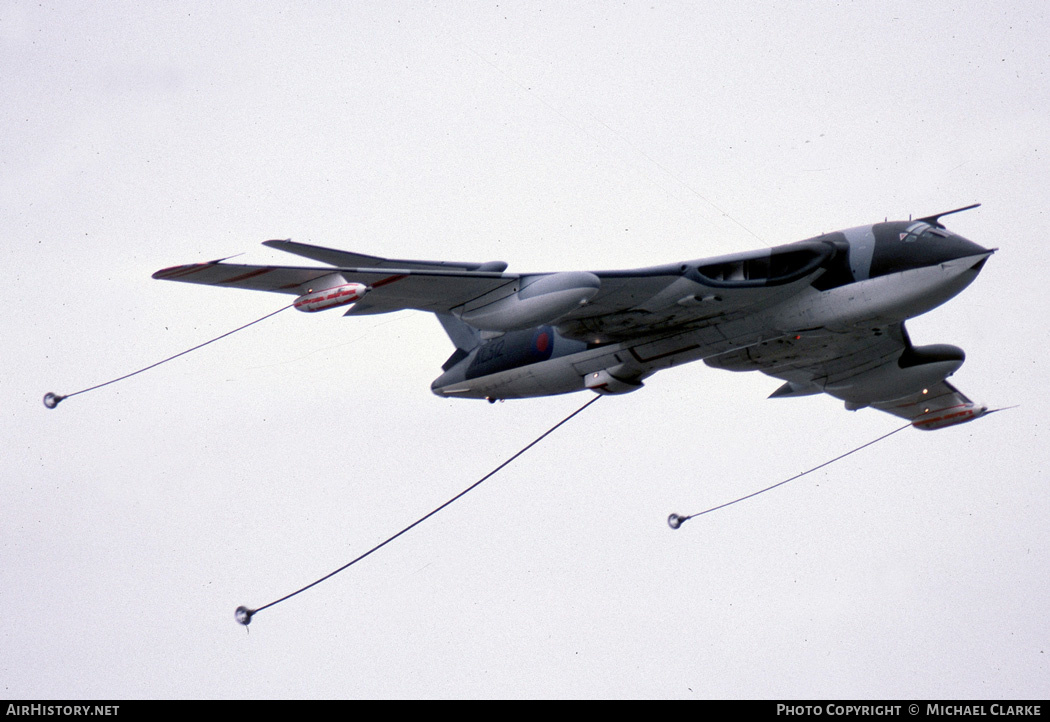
133,520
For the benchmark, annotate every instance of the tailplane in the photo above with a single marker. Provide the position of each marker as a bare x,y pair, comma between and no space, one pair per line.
465,337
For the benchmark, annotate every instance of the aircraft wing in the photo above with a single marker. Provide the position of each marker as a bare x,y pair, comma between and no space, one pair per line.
625,304
433,286
879,368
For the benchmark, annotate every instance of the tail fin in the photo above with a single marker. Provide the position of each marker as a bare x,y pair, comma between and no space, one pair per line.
465,337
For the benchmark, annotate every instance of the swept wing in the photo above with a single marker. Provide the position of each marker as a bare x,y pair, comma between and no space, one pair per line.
626,304
880,368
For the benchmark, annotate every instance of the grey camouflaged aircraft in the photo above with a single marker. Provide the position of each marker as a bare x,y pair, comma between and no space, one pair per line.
825,315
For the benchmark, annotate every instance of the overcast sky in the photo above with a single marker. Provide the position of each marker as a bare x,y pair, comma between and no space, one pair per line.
136,518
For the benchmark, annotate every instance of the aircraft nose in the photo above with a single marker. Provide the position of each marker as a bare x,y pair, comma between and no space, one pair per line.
976,268
917,245
963,247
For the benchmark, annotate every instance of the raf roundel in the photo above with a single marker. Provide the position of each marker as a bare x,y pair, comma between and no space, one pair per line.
543,342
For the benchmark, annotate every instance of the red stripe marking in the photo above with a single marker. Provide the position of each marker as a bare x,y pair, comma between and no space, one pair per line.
389,279
246,276
945,417
178,271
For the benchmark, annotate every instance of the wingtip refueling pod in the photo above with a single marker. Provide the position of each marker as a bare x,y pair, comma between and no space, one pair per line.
939,419
341,295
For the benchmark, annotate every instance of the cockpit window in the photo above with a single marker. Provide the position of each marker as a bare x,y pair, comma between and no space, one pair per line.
921,230
914,231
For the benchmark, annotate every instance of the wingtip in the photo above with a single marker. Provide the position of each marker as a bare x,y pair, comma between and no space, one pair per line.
177,271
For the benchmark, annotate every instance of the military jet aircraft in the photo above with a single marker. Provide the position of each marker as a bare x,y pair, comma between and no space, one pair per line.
825,315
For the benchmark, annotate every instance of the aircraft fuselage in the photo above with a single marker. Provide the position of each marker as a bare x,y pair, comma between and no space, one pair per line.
861,279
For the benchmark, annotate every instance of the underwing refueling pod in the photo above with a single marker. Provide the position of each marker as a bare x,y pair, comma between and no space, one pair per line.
824,315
